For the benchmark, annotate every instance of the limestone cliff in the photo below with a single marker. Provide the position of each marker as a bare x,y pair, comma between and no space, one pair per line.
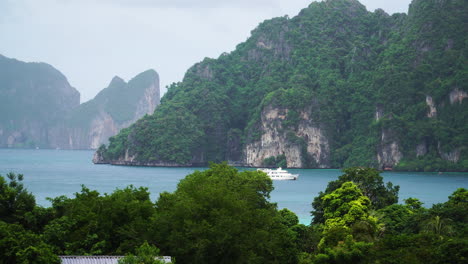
39,108
389,151
306,142
388,154
116,107
33,96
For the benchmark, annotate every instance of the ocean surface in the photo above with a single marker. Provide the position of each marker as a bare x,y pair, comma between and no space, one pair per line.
52,173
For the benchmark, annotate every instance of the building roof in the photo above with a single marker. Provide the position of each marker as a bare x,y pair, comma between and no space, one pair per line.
98,259
90,259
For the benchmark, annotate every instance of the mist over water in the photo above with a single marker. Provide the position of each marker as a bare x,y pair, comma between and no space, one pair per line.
52,173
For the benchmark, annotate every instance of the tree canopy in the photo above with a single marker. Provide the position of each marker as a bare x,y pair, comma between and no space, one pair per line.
223,216
369,181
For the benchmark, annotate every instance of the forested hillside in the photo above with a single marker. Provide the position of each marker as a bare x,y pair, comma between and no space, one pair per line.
335,86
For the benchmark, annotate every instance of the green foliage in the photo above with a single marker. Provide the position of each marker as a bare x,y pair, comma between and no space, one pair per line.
430,163
438,226
145,254
223,216
436,235
278,161
94,224
349,229
394,234
404,248
117,145
18,245
395,218
184,131
15,201
340,77
347,218
345,206
119,100
369,182
347,252
413,203
289,219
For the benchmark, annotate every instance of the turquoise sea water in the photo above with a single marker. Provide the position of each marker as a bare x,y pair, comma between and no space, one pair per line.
51,173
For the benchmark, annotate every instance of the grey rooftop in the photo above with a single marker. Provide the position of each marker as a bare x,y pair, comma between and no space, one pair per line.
99,259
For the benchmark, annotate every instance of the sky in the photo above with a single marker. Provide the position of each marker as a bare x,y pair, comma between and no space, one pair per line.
91,41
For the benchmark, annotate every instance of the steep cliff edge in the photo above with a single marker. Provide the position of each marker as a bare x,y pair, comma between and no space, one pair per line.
117,106
39,108
304,146
33,96
335,86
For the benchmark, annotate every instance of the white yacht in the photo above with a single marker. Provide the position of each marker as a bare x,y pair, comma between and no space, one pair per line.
279,174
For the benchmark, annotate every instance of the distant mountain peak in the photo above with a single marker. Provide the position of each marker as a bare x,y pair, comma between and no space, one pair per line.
117,81
148,74
344,1
348,3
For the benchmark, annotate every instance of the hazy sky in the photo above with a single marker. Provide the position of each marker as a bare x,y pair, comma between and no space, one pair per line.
90,41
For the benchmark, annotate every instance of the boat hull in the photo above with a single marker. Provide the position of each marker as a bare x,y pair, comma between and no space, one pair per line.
279,174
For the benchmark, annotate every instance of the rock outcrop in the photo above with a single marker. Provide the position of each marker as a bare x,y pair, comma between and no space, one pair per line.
118,106
299,145
432,108
33,96
457,96
39,108
388,154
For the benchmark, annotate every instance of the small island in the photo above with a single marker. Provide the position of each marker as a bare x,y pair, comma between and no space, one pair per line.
333,87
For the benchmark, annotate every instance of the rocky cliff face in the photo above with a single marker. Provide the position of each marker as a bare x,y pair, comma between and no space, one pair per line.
118,106
388,154
40,109
91,136
299,145
33,96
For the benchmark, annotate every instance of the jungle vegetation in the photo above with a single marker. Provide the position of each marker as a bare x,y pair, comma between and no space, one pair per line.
360,75
222,215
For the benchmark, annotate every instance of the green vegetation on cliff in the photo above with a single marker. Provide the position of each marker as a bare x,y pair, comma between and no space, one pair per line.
119,100
388,91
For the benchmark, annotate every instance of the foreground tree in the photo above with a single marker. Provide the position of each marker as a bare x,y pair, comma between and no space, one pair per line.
417,235
398,218
349,228
18,245
145,254
346,213
371,184
15,200
90,223
223,216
